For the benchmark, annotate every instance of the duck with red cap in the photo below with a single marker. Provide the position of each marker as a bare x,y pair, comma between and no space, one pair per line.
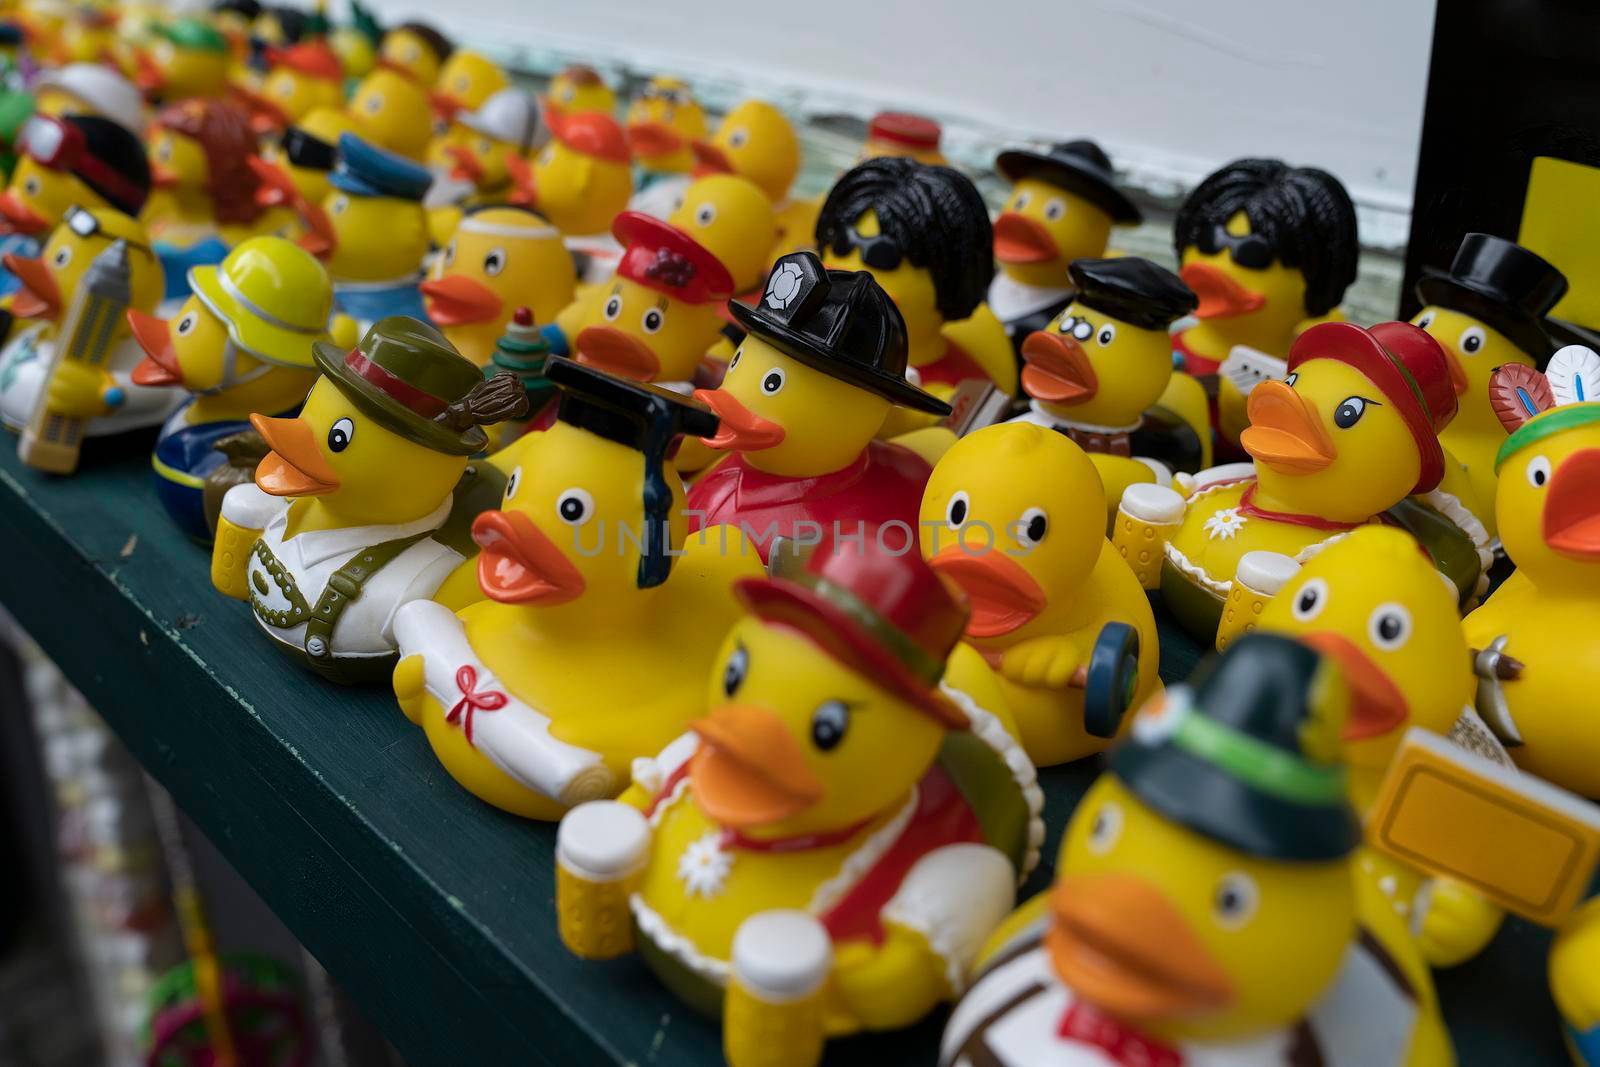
579,181
1344,440
817,857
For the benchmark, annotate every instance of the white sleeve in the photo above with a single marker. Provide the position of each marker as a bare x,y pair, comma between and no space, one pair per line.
247,507
955,896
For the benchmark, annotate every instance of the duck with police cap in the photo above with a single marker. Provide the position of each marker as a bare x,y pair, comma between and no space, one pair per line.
240,344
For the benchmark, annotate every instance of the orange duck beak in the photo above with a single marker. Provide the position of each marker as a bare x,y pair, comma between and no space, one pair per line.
524,189
1221,297
1056,369
445,105
1572,506
1285,431
650,140
1020,240
710,159
319,239
1120,944
615,352
162,177
466,166
1004,597
456,300
160,364
148,76
19,217
749,770
518,564
739,428
1458,373
1377,705
296,465
38,297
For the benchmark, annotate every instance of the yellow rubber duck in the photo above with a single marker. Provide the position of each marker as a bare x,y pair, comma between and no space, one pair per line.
1044,583
732,219
466,81
203,183
663,121
811,863
579,88
757,141
901,133
1549,515
1374,605
356,42
1350,433
1176,931
85,161
599,657
581,179
499,259
503,127
1099,369
300,79
365,500
88,35
394,112
295,169
415,50
106,394
188,58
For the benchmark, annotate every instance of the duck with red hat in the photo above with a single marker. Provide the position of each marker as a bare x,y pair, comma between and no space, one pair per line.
816,855
579,181
1349,437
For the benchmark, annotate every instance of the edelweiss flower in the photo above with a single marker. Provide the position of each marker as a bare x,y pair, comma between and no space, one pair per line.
1224,524
704,866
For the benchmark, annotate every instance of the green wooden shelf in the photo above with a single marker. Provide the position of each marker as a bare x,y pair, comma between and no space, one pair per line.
431,909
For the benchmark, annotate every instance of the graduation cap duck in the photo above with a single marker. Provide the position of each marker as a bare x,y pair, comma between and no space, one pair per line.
593,646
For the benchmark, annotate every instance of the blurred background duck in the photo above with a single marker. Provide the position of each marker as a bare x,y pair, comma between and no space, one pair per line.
300,78
901,133
757,141
466,81
187,58
580,88
295,168
415,50
394,112
663,121
581,179
506,126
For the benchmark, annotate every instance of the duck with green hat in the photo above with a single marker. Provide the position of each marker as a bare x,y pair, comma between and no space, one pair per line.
366,498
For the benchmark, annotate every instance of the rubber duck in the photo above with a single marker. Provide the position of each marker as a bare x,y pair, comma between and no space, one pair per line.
89,89
560,617
356,42
923,232
365,500
1176,931
755,140
661,310
106,395
188,58
581,179
235,20
300,79
279,25
500,258
821,365
1351,433
1486,311
506,126
733,220
467,81
1548,515
241,343
77,161
579,88
89,35
1042,579
662,122
295,170
416,50
1268,248
900,133
1063,203
1100,369
811,862
393,111
372,232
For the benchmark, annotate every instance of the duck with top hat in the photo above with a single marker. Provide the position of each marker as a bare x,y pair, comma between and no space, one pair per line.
801,407
593,646
366,499
825,851
1343,441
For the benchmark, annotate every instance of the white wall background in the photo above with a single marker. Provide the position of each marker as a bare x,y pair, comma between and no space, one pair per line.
1171,87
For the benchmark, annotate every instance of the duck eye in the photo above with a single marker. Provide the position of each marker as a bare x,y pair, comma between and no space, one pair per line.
1105,829
186,323
1424,320
1032,527
734,671
449,253
1538,472
1349,413
494,262
547,157
734,362
705,214
340,202
652,320
1294,376
340,433
955,512
1021,201
1472,339
164,151
737,138
31,186
1235,901
772,384
613,306
513,481
575,506
568,94
1107,334
828,724
1389,626
1310,600
62,257
374,103
1082,330
1055,209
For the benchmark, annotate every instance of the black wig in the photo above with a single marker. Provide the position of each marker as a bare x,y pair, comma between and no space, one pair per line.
933,214
1304,213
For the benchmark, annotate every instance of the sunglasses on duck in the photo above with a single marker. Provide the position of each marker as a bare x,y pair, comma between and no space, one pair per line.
1250,251
880,252
304,150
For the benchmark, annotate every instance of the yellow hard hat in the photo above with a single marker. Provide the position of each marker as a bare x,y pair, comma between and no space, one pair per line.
274,296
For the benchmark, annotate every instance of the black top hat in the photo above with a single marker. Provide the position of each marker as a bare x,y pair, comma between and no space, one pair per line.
1229,759
1132,290
839,322
1079,167
1501,284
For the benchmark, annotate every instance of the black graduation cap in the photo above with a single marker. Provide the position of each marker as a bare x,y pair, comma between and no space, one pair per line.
839,322
1132,290
640,416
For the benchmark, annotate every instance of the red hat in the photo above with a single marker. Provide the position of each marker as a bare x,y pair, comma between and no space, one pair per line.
901,127
1407,365
591,133
315,58
884,614
662,257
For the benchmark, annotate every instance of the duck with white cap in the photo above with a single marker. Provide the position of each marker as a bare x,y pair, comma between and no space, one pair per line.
475,151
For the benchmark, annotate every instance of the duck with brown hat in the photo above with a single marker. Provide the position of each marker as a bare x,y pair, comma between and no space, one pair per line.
366,499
